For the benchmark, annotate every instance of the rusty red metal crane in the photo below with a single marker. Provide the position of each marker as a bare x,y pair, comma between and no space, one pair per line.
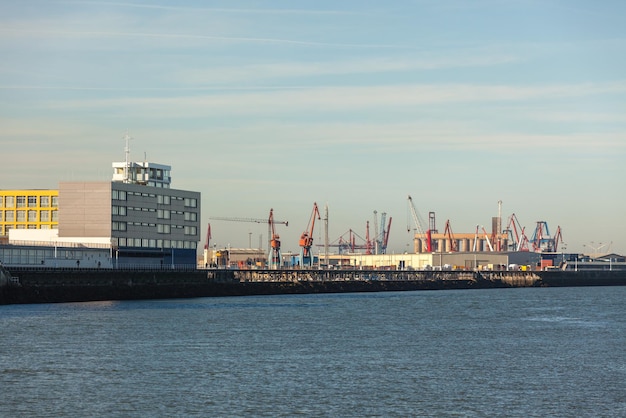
306,239
450,237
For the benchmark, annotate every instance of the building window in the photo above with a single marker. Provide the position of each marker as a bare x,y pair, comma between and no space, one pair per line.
32,216
118,195
21,201
44,201
1,197
9,216
21,216
9,201
1,215
32,201
55,216
44,216
55,201
32,226
118,226
190,230
191,216
119,210
163,200
163,229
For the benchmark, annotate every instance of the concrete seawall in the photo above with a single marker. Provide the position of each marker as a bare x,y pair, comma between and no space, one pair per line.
78,285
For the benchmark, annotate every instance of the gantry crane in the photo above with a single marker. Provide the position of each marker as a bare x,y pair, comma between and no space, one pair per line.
541,240
306,239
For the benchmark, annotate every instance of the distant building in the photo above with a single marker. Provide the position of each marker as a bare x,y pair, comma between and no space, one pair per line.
28,209
135,219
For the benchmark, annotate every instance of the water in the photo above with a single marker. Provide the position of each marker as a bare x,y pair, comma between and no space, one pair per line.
497,352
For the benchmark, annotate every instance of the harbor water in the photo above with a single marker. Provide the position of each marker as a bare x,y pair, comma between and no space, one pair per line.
535,352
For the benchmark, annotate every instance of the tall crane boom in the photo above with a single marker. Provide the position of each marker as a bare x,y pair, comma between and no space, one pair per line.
386,236
256,220
450,236
306,239
420,234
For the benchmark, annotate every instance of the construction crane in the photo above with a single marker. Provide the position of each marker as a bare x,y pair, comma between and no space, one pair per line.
448,233
270,226
419,234
306,239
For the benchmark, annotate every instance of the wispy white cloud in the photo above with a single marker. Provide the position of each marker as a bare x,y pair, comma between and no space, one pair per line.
43,32
286,100
211,9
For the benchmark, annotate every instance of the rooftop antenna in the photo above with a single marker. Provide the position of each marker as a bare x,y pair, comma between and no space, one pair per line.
127,152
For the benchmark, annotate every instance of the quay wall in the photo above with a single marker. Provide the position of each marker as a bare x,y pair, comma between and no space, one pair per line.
37,285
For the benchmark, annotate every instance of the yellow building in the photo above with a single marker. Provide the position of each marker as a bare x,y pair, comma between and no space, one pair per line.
28,209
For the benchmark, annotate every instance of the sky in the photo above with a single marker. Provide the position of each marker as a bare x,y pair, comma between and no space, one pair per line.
353,105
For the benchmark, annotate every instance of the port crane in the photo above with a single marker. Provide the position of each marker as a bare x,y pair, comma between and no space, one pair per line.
450,236
274,259
380,239
306,239
518,232
418,225
541,240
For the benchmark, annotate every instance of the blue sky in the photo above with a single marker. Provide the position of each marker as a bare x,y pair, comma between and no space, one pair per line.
353,104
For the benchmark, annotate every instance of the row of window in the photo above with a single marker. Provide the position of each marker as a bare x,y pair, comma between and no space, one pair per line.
154,243
29,201
29,216
189,202
161,228
161,213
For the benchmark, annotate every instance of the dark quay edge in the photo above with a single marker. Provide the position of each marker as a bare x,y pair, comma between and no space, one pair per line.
50,285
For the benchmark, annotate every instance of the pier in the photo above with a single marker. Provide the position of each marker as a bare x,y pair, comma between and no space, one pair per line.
40,285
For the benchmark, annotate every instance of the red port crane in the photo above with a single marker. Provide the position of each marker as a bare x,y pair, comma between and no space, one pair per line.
521,240
448,233
275,258
306,239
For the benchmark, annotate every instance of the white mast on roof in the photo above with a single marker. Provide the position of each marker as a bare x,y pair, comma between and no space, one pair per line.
127,152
